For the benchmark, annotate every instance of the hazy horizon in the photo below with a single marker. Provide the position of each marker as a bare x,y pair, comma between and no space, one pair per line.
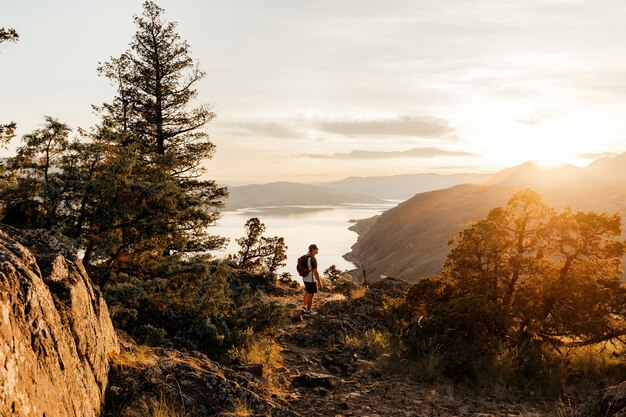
316,92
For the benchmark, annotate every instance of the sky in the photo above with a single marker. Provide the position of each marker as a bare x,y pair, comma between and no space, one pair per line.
314,91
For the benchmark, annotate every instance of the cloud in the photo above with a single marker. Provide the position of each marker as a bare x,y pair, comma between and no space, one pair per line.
405,125
543,115
596,155
266,129
399,126
410,153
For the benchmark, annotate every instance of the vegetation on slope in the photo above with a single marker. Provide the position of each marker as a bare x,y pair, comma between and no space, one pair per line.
524,289
131,196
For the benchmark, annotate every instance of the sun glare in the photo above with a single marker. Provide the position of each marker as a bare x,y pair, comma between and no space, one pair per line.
553,142
551,161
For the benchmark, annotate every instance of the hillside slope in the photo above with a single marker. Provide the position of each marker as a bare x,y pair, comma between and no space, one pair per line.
330,378
401,187
411,240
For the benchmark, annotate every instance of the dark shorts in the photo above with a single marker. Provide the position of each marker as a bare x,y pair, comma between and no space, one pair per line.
310,287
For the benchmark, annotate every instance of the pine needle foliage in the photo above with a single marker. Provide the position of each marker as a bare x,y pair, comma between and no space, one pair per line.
132,190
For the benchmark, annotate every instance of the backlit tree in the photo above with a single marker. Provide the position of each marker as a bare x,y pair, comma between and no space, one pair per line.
526,277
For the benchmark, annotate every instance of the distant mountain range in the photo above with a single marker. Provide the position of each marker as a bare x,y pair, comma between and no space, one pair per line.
401,187
357,190
280,194
411,240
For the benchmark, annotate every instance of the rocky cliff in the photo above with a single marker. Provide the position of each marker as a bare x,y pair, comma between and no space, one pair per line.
55,330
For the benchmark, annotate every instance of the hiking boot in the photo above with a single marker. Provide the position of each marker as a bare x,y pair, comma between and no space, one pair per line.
312,313
304,310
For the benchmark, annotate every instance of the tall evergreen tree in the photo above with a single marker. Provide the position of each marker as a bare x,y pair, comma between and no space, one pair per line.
276,253
153,120
156,81
132,190
250,253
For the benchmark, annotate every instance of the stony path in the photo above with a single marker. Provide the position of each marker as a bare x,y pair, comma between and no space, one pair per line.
369,392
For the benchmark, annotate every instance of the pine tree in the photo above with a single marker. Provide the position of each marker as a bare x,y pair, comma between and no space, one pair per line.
276,253
250,254
153,121
36,195
259,253
156,81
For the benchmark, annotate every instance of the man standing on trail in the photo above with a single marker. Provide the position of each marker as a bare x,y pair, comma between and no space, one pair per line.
310,271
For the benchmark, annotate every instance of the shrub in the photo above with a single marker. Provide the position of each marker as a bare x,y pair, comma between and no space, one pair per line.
518,291
259,350
196,304
372,343
344,284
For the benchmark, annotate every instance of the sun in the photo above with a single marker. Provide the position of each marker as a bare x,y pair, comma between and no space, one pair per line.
555,160
560,141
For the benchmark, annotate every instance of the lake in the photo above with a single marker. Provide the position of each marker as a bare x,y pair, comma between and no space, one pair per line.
326,226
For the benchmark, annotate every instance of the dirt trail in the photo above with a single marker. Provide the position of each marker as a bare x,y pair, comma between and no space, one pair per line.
321,387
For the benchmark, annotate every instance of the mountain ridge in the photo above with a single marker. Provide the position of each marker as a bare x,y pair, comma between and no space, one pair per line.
410,240
403,186
285,193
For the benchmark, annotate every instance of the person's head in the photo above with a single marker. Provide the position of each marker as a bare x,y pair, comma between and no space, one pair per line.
313,249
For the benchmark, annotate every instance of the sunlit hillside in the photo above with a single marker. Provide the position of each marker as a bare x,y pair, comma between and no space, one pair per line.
411,240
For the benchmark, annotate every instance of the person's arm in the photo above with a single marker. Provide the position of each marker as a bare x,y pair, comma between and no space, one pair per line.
317,277
315,273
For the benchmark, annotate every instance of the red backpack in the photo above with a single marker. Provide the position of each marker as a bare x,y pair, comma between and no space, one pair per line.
303,265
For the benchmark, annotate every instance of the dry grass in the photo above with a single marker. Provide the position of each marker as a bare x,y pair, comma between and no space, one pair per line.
260,351
430,362
577,373
590,362
565,409
153,408
336,297
239,408
135,356
263,351
375,342
505,368
358,293
352,342
525,413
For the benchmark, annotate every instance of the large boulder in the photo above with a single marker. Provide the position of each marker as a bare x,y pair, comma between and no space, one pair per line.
55,331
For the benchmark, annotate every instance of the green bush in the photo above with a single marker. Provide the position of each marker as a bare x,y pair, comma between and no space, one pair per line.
198,304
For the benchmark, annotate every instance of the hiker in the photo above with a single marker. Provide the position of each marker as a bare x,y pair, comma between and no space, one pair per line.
307,268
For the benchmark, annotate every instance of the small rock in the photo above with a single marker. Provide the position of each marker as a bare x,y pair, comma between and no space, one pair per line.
313,379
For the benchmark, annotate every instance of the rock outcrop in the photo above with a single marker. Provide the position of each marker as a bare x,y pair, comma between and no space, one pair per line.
55,331
159,381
